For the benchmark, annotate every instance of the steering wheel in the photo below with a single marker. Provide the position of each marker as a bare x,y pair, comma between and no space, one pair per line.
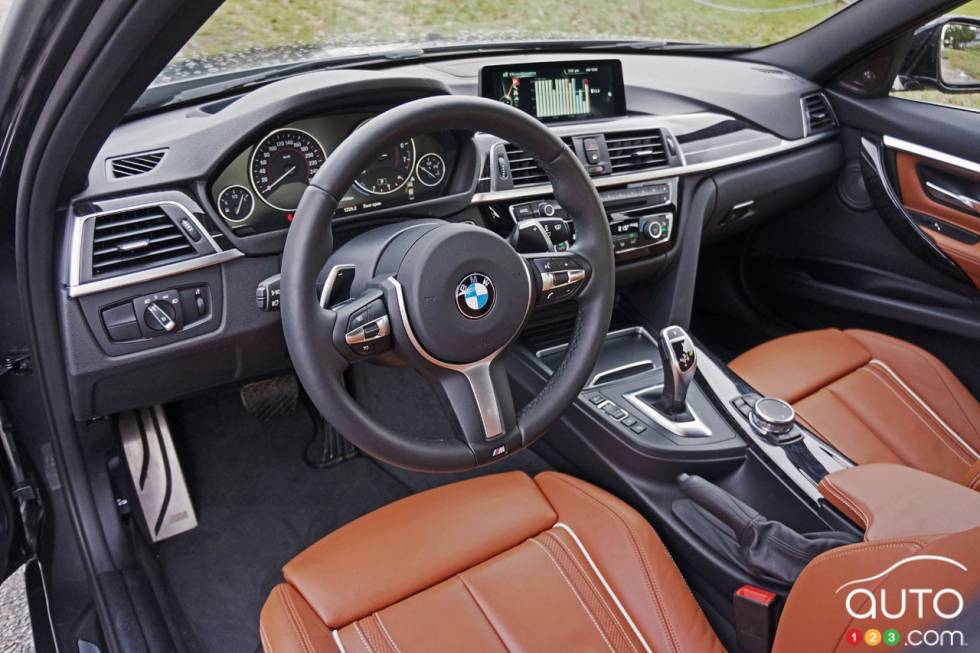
446,299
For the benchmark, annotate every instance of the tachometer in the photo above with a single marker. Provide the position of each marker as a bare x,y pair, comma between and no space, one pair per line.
431,169
389,170
283,165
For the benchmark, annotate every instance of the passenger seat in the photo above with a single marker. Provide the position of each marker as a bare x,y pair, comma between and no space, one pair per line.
876,398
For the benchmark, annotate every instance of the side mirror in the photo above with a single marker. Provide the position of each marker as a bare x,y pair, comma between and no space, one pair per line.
944,55
959,59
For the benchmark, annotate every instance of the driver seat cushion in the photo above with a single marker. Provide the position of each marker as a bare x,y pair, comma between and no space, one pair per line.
495,563
877,399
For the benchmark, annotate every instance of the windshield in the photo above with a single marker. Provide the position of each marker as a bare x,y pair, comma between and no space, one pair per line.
245,34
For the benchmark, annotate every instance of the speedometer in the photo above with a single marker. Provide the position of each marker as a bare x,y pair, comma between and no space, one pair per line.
389,170
283,165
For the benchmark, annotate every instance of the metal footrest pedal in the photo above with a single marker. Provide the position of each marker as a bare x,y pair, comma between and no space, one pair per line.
153,465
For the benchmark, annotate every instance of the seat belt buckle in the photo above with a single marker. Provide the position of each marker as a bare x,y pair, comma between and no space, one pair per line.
755,619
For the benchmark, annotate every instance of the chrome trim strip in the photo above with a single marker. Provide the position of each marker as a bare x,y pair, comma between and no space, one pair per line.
477,373
595,382
76,288
929,153
640,331
946,427
605,585
180,267
968,203
694,428
659,173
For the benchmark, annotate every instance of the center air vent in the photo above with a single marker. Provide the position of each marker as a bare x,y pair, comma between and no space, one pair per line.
636,150
524,169
817,114
134,164
137,239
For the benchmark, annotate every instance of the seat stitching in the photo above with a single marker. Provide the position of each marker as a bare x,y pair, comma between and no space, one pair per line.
575,592
846,500
973,481
264,637
479,607
861,548
391,640
301,635
877,437
939,372
598,592
652,586
951,433
917,413
361,636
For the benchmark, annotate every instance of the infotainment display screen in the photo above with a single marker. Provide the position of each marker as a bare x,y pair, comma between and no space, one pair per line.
558,91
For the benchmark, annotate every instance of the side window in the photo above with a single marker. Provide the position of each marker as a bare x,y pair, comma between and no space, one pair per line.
942,65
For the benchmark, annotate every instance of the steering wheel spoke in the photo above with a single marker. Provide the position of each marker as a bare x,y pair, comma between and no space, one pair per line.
480,398
559,277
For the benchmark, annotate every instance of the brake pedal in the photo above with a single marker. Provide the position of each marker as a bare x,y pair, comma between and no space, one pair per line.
153,465
270,397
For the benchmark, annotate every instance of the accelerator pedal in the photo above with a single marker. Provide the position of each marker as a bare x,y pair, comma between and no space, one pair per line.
270,398
327,447
153,465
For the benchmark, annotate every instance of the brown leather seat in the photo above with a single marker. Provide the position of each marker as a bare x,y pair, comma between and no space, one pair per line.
496,563
507,563
874,397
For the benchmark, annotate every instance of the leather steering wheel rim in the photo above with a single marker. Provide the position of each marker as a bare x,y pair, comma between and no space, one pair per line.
307,326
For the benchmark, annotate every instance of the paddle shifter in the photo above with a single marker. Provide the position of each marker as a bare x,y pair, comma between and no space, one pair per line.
680,364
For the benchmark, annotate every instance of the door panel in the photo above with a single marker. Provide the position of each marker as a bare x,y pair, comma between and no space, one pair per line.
910,265
930,188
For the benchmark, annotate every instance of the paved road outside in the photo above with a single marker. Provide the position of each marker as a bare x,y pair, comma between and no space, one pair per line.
15,622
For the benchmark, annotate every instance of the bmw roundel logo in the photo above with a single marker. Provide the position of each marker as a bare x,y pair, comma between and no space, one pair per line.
475,295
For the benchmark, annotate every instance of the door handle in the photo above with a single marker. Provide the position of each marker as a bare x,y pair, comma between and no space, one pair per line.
966,202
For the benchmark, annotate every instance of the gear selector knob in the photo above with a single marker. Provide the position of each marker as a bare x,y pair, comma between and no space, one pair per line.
680,364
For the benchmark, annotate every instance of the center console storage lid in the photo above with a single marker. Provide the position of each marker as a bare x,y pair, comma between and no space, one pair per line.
896,501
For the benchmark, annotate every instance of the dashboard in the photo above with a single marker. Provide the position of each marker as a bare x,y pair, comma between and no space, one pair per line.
259,190
168,250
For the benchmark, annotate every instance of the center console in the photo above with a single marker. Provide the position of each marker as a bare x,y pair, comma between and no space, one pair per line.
729,479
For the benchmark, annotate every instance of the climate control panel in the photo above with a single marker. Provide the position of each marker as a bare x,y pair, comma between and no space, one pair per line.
642,218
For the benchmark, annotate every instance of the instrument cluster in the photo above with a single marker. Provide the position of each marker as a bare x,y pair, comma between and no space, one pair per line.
261,188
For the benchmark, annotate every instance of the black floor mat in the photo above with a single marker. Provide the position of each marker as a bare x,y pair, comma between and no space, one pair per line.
258,505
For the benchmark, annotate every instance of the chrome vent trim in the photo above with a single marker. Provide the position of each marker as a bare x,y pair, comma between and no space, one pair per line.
133,165
636,150
136,239
818,116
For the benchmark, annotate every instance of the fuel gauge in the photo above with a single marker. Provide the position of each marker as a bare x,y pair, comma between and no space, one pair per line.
431,169
235,203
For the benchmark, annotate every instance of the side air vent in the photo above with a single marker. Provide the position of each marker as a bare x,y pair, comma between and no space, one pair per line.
524,169
136,240
637,150
131,165
817,114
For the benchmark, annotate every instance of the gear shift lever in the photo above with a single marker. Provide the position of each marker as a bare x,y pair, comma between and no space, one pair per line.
680,363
